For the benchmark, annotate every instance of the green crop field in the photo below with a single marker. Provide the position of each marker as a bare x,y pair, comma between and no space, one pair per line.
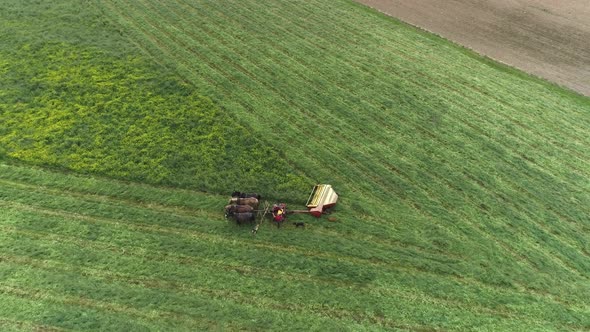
464,184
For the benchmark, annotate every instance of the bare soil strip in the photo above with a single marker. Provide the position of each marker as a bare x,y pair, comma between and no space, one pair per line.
546,38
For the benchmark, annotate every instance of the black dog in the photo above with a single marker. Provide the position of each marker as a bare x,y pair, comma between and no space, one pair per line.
299,224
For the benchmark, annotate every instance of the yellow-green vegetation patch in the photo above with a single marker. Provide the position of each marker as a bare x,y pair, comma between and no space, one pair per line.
88,111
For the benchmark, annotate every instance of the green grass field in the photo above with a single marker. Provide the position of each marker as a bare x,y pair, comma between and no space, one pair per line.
124,125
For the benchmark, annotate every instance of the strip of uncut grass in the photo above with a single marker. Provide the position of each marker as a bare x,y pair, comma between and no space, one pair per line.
119,190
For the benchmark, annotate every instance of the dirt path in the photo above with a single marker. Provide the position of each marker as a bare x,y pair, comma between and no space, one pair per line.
548,38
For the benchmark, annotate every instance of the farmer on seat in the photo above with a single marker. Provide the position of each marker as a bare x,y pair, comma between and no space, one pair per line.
278,214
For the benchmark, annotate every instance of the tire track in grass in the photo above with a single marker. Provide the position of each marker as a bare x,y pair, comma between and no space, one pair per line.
110,189
412,296
173,210
51,297
21,325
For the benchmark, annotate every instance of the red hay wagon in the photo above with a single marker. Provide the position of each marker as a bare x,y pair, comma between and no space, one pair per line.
322,198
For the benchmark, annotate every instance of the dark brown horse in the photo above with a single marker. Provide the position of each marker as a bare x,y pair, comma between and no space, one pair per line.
231,209
245,217
251,201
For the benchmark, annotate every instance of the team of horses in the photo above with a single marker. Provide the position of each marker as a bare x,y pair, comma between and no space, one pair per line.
242,207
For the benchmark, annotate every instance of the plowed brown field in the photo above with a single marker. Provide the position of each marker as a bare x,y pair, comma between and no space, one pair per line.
546,38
